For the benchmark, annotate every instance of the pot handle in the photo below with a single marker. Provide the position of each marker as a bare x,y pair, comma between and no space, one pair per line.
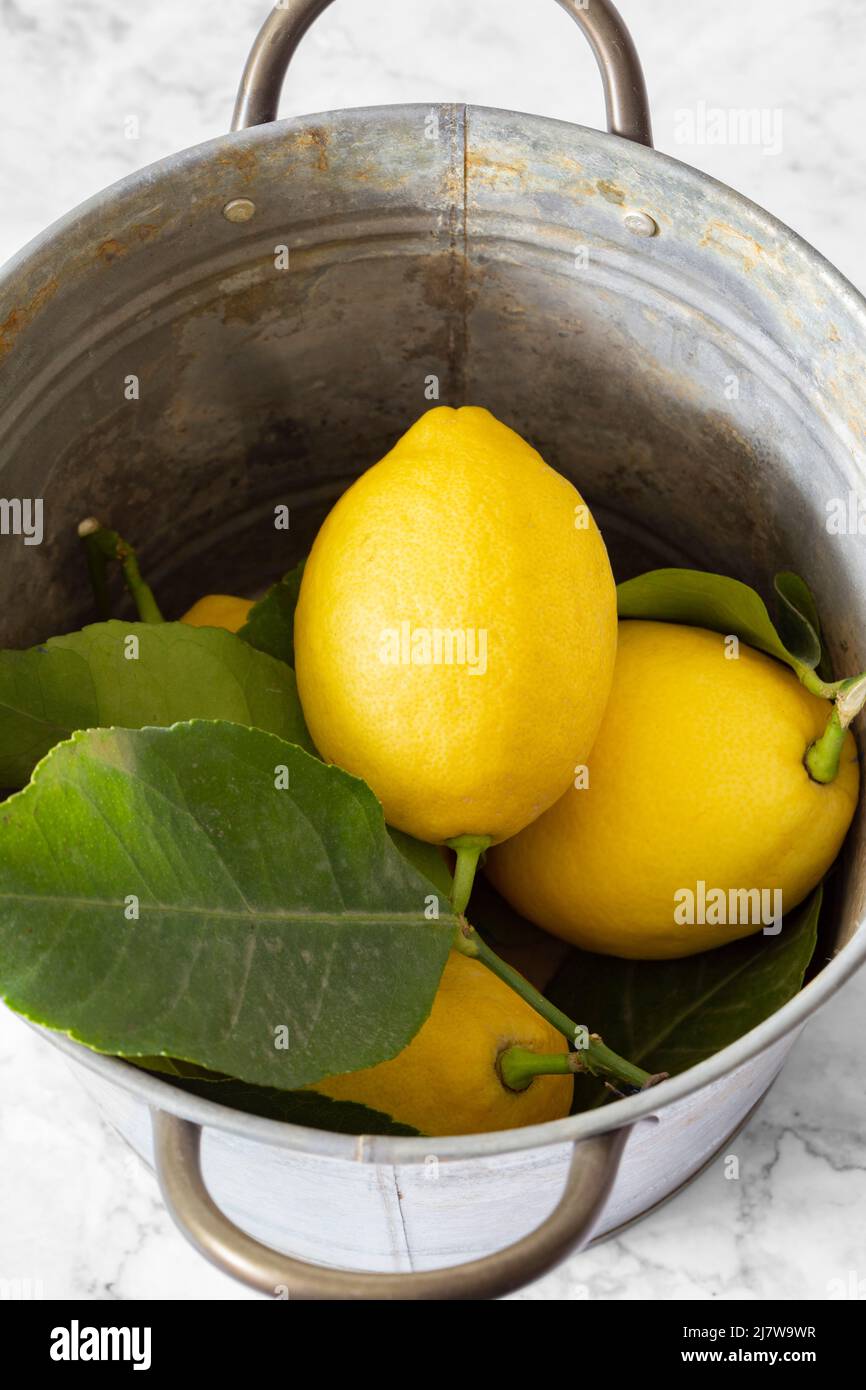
177,1159
625,93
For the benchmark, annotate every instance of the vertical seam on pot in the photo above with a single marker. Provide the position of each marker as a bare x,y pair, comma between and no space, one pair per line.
386,1178
406,1245
458,245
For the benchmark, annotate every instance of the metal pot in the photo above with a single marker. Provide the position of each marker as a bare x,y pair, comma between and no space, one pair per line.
689,361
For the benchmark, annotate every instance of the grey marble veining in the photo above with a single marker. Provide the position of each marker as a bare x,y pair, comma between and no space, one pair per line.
88,94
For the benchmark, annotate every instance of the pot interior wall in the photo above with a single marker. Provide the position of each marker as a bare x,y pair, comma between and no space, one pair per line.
695,384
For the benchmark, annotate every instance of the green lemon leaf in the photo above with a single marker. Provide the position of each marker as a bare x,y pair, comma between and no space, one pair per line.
297,1107
427,859
725,605
799,623
292,1107
213,894
270,626
177,1070
668,1015
128,675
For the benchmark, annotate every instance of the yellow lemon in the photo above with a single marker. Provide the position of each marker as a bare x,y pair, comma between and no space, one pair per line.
698,799
219,610
446,1081
456,630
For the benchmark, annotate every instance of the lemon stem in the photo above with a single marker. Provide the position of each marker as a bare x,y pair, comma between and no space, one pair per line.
468,849
827,690
518,1066
103,546
822,756
97,566
591,1054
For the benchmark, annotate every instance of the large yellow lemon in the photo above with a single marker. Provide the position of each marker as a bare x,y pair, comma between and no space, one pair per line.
456,630
446,1081
219,610
696,778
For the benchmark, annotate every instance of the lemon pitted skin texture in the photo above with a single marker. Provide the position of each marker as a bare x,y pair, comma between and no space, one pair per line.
446,1081
697,774
456,630
219,610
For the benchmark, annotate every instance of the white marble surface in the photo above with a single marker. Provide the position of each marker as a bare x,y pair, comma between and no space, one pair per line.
77,1211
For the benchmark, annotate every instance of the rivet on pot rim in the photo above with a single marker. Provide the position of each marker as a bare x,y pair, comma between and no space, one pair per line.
641,224
239,210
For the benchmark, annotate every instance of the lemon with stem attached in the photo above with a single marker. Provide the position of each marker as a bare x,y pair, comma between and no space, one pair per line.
720,791
449,1079
456,630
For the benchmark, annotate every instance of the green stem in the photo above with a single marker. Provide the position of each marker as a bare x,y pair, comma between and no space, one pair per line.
847,692
518,1066
828,690
822,756
468,849
97,566
105,545
142,594
595,1057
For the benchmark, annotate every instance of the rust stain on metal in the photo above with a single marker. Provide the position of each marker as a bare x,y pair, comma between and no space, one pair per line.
833,334
383,179
21,316
486,169
568,164
611,192
316,139
490,172
242,162
113,250
745,248
250,305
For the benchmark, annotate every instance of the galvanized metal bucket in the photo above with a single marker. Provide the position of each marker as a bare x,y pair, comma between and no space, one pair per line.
688,360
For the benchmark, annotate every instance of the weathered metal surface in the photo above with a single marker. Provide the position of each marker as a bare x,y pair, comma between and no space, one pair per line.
419,1204
492,252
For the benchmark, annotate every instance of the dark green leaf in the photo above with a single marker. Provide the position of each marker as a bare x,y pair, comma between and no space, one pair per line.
270,626
297,1107
703,600
799,624
668,1015
427,859
171,1066
86,680
260,908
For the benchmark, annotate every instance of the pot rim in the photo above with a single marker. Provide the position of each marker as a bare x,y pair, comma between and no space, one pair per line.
636,154
160,1094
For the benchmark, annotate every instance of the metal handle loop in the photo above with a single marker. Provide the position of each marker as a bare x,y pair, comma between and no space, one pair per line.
177,1156
625,92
